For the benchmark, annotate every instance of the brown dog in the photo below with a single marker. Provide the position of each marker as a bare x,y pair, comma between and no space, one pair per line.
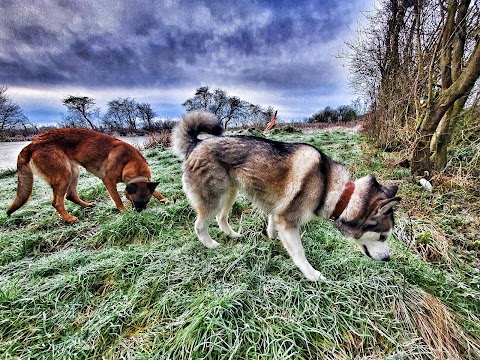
55,155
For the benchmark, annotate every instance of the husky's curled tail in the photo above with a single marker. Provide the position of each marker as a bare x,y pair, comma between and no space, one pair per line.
185,134
25,180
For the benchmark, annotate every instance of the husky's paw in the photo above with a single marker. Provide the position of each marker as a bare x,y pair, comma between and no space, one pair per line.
212,244
315,276
271,230
272,233
234,234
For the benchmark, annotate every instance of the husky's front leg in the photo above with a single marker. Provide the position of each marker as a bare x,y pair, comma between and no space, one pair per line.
222,216
290,238
201,229
271,229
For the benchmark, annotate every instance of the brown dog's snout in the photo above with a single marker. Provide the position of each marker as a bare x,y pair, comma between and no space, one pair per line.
140,205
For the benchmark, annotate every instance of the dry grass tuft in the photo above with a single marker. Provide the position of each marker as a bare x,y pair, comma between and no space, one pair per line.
434,322
426,238
457,180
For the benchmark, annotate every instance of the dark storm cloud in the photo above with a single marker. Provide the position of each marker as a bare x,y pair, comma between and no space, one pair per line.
21,73
34,35
145,43
282,47
298,78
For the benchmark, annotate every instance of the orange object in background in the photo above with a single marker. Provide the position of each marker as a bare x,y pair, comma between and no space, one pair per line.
272,122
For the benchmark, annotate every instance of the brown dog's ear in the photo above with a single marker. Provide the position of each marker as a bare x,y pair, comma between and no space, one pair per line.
152,186
131,188
386,205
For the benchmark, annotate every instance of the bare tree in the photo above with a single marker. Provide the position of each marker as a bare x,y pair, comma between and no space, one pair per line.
200,101
459,69
219,100
11,115
130,111
257,115
113,118
146,115
382,65
417,61
82,111
233,110
343,113
122,115
229,109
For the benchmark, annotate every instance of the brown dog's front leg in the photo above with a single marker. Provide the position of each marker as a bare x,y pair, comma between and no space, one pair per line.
162,198
112,190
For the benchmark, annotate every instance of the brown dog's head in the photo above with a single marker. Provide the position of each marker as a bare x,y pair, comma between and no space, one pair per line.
139,193
368,219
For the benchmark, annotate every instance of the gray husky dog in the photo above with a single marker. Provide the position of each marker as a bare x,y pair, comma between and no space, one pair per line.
291,182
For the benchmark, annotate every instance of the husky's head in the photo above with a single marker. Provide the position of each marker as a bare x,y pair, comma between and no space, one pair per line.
368,218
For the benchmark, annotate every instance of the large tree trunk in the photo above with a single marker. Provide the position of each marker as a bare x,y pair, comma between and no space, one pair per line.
453,88
451,70
444,133
421,153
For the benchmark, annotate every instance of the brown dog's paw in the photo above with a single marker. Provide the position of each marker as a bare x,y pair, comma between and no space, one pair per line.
70,219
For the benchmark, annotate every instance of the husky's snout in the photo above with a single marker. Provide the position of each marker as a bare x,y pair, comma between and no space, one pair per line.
371,245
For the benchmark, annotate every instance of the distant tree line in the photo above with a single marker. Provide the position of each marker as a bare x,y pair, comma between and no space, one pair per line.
123,115
127,116
344,113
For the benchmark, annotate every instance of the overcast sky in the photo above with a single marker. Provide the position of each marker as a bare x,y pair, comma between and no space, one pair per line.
278,53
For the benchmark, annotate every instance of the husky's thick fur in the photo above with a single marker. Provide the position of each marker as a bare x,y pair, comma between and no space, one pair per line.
56,155
291,182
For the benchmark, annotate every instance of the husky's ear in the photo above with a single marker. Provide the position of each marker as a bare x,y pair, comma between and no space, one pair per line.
152,186
386,205
373,181
392,190
131,188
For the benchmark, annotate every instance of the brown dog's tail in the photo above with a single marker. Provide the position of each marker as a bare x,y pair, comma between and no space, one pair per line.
25,180
185,133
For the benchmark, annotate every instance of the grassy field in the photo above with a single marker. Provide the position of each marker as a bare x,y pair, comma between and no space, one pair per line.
141,286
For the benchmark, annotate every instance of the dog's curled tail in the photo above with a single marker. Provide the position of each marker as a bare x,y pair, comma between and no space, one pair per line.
25,180
185,133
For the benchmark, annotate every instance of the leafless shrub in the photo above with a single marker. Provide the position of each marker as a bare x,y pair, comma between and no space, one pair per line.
159,139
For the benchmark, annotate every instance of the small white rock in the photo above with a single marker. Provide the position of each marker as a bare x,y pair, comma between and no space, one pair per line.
426,184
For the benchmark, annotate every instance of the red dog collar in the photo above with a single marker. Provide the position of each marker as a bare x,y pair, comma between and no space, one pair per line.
343,201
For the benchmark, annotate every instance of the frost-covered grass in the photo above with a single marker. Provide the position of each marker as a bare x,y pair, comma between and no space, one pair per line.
140,285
